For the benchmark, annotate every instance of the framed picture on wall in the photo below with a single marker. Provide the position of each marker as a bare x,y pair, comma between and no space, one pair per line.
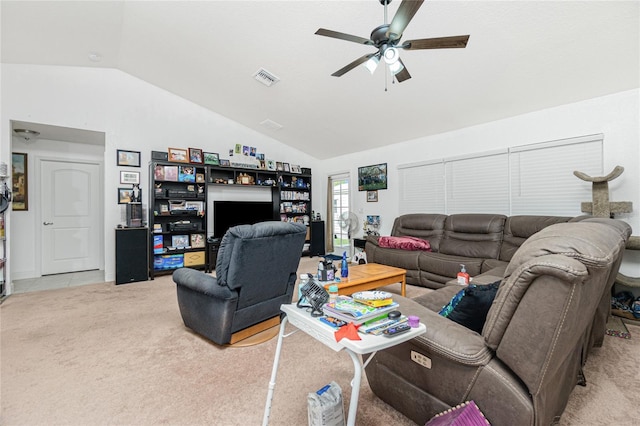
372,196
129,177
20,180
124,195
372,177
128,158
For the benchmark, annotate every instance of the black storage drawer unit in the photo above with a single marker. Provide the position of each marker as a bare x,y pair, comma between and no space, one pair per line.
132,255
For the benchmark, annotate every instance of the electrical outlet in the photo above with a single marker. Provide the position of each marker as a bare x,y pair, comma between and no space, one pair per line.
420,359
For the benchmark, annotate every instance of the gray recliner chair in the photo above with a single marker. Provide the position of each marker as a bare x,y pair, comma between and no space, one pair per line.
255,273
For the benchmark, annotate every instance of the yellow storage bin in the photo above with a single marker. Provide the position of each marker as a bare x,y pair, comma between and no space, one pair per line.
194,258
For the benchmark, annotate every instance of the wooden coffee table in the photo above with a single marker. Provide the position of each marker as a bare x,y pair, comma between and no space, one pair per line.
370,276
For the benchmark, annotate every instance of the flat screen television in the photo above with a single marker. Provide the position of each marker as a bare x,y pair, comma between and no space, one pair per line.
227,214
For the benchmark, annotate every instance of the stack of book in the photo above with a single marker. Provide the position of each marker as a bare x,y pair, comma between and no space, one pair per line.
362,311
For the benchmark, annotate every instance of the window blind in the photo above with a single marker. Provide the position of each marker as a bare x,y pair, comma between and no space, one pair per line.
532,179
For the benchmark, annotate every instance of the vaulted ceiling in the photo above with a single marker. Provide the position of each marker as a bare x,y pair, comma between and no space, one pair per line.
522,56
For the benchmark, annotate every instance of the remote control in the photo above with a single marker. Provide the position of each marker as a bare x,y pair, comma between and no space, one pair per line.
401,328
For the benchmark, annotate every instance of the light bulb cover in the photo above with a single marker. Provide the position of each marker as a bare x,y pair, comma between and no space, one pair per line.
396,67
372,64
391,55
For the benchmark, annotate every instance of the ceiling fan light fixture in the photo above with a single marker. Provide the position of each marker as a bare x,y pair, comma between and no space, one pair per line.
391,55
372,64
396,67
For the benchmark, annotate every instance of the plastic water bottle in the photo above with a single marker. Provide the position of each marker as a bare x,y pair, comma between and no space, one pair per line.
344,269
304,280
333,293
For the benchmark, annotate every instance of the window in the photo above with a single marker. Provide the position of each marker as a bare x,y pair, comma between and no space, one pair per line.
529,179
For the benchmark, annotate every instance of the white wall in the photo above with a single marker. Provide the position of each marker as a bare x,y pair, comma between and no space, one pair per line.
133,114
616,116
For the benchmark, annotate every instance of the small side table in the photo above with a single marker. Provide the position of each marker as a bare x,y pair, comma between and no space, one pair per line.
315,328
359,243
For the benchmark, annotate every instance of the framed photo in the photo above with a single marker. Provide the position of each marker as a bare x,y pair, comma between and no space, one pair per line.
271,165
158,172
171,173
211,158
295,168
180,240
372,196
128,158
129,177
197,240
279,166
186,174
200,177
20,180
285,167
225,163
124,195
372,177
178,155
195,156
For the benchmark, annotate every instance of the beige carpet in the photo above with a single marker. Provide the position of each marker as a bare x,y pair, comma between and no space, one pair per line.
102,354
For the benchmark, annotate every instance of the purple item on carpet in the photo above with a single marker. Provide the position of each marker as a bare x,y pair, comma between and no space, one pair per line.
465,414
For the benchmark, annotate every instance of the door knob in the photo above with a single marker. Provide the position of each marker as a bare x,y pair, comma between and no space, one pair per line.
47,223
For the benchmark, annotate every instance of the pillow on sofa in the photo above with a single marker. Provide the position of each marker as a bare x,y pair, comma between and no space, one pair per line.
469,307
404,243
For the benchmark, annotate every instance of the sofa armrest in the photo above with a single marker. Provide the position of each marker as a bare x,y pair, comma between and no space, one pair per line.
445,337
453,341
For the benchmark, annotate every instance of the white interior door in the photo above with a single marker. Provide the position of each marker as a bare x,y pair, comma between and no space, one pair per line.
69,193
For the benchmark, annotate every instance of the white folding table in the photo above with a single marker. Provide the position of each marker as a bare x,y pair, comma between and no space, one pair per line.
324,333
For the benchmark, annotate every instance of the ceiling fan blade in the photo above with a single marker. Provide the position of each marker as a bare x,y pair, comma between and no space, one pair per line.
404,74
343,36
403,16
353,64
436,43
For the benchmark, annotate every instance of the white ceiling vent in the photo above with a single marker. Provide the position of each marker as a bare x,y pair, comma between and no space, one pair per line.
265,77
271,125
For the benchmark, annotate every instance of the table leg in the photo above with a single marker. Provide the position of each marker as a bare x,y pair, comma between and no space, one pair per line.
274,372
355,387
403,286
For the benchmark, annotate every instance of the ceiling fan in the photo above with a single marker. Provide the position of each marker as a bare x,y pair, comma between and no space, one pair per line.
386,38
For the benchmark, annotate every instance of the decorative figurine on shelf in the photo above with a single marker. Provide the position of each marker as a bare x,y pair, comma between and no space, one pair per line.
136,197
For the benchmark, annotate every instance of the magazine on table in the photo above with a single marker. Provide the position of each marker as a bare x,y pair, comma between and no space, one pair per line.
347,309
378,325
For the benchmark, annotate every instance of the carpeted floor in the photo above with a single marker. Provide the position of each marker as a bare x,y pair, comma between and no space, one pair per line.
119,355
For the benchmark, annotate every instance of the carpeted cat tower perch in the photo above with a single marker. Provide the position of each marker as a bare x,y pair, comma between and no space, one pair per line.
600,206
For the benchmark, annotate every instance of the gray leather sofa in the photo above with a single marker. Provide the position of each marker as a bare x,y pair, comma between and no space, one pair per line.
522,367
484,243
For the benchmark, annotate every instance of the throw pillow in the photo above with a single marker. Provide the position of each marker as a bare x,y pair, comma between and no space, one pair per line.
469,307
404,243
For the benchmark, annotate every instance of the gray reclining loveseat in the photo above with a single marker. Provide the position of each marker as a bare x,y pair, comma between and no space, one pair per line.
484,243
